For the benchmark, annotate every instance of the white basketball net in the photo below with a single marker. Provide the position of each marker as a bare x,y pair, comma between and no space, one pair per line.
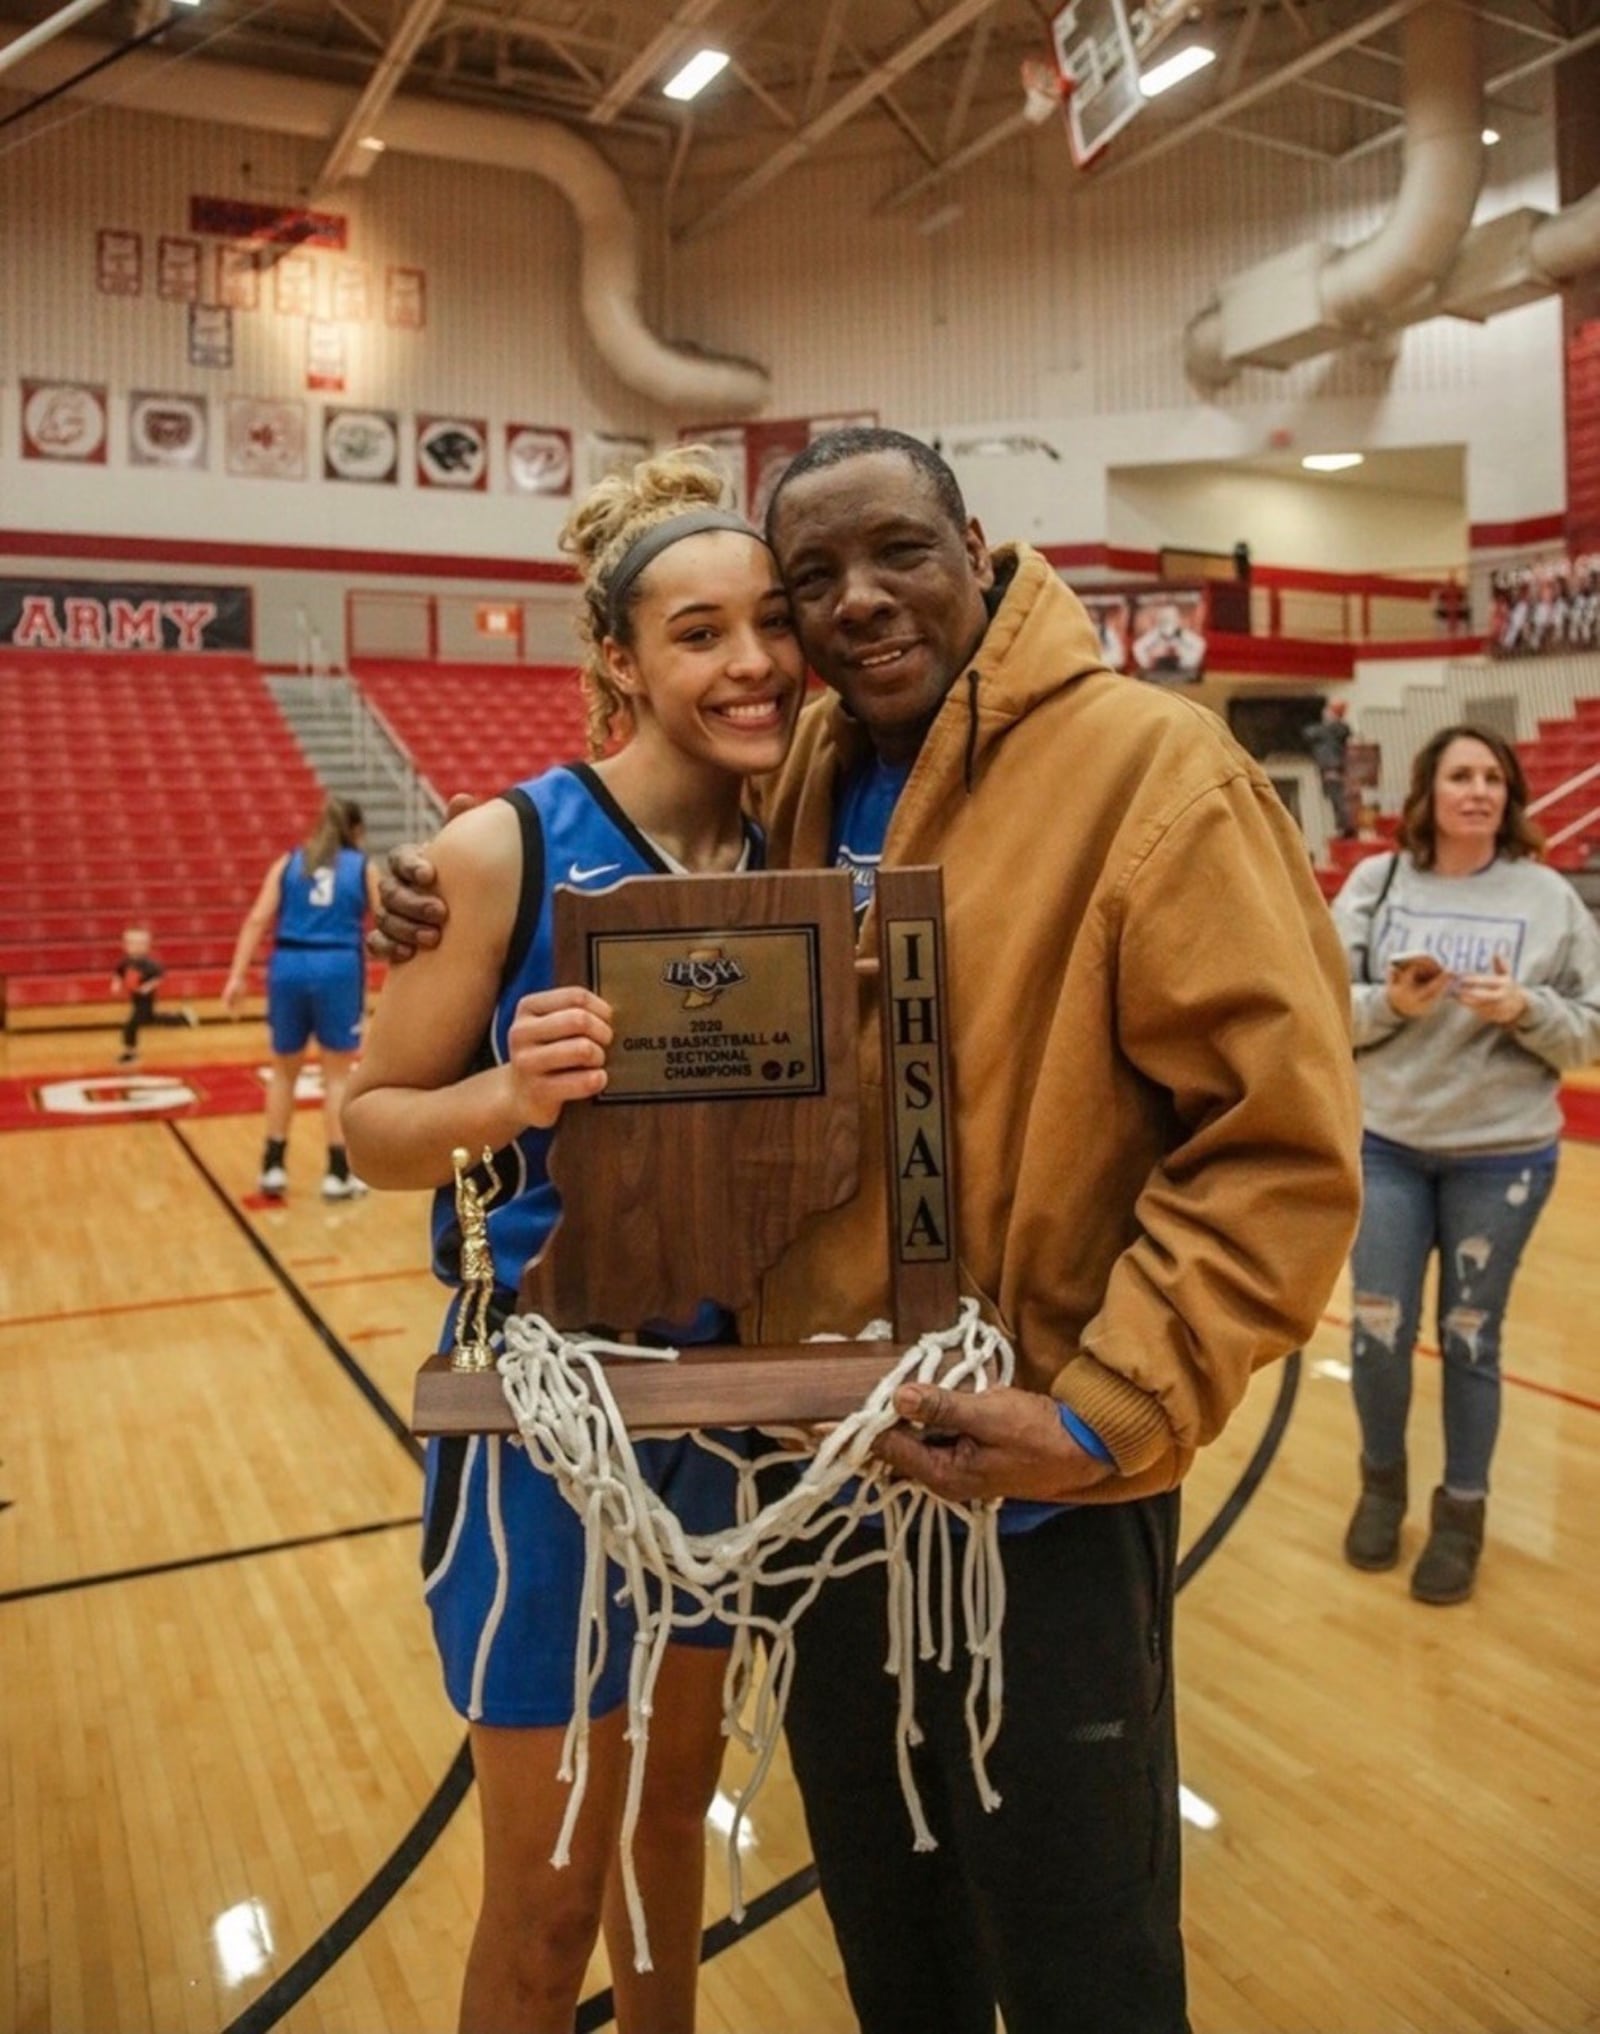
569,1423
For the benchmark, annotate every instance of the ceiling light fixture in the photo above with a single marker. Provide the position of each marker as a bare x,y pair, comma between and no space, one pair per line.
1332,462
1490,136
696,74
1175,70
371,141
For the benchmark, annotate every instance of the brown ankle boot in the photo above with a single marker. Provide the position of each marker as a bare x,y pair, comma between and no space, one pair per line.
1447,1567
1373,1540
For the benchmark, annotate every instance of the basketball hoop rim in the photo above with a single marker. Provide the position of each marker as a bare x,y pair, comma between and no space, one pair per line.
1043,76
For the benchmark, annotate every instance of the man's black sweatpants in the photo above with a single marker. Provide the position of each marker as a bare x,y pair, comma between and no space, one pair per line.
1061,1907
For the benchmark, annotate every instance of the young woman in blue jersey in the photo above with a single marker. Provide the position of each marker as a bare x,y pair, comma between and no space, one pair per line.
314,901
690,656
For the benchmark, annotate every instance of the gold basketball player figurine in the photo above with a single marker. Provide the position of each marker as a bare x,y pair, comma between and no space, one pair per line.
472,1351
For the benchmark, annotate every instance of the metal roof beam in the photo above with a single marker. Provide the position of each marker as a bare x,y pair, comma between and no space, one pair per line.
347,157
1392,136
666,44
862,94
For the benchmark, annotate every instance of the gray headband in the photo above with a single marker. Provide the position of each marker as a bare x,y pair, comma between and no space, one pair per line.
658,538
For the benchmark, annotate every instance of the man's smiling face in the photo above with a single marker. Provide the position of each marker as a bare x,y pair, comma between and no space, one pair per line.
887,589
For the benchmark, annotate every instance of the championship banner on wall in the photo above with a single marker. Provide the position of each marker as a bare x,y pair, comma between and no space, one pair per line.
118,262
238,278
727,446
769,448
605,453
167,430
210,335
361,445
755,457
453,452
294,287
538,459
405,299
1547,607
104,614
265,440
352,294
325,355
64,420
178,274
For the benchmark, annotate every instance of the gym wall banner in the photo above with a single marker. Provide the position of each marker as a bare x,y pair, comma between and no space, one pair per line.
1551,605
125,615
1161,633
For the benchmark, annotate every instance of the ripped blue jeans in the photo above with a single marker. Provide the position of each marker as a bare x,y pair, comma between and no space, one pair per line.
1478,1213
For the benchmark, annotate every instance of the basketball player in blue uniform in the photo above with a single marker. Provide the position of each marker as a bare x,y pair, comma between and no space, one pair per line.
690,654
315,901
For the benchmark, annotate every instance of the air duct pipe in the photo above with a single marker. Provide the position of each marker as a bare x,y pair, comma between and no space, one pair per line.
1568,245
1318,298
686,383
1516,259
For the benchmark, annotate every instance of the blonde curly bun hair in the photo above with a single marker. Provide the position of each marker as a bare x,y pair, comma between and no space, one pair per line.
599,533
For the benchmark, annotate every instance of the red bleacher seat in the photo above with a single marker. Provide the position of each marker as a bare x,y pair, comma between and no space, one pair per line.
154,793
471,727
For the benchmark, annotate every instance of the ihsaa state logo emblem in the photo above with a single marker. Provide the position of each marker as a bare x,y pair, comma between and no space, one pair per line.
703,974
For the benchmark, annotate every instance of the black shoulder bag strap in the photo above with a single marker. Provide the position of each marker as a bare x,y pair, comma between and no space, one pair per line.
1372,920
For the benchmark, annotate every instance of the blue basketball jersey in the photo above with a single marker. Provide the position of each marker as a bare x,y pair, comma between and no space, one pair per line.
326,906
573,833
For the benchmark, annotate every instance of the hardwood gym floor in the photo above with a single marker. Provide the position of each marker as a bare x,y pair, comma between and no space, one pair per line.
232,1794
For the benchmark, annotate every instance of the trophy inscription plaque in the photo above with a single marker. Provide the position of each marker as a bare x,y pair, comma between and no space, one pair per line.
730,1117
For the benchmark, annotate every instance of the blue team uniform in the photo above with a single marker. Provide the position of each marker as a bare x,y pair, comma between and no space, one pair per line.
503,1551
316,979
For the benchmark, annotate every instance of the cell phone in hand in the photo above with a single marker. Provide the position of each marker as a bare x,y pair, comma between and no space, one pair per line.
1420,965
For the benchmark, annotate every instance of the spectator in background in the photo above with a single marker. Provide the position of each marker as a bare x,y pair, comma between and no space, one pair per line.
1476,985
314,900
1327,740
135,976
1452,610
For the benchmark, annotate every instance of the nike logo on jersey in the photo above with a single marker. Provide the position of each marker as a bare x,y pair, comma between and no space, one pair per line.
577,875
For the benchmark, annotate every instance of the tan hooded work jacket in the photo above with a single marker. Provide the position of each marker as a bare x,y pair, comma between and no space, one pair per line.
1155,1113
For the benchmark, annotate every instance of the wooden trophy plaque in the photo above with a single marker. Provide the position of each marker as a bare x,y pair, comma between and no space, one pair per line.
730,1116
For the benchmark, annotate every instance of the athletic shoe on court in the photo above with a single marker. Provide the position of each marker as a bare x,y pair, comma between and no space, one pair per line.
275,1182
337,1187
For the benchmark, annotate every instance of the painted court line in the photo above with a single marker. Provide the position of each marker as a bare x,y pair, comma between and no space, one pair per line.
149,1306
367,1277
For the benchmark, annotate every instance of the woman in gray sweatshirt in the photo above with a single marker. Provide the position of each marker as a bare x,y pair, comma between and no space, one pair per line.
1475,985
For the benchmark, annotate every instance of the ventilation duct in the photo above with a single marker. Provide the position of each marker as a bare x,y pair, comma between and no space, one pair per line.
684,382
1317,298
1520,257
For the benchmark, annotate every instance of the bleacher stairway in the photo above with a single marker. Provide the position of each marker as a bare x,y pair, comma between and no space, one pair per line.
355,756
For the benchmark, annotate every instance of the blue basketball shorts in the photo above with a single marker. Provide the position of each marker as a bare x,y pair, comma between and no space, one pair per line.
316,992
502,1564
